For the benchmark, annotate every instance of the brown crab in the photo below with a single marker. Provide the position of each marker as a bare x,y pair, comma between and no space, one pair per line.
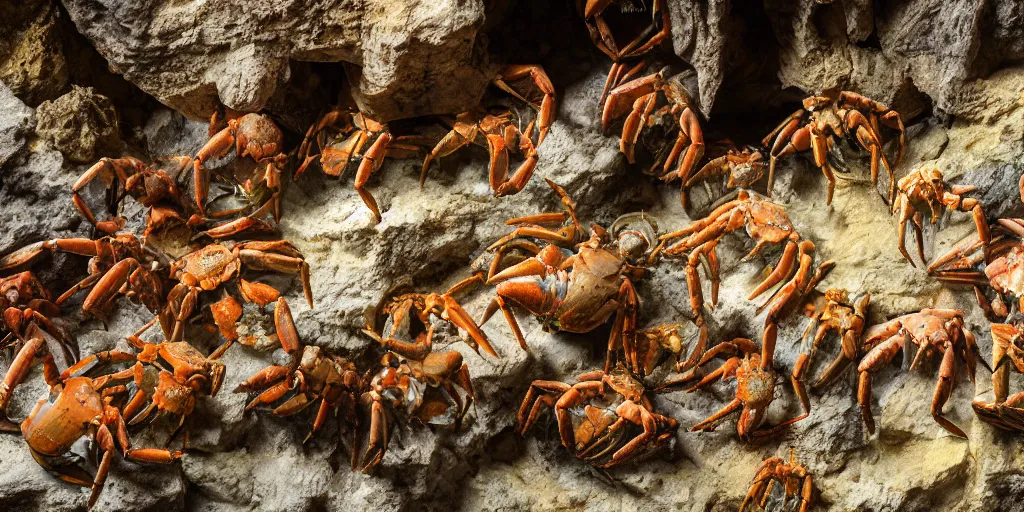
1006,411
742,167
933,331
624,31
577,290
152,186
405,320
1001,270
755,387
210,267
319,375
642,99
252,135
796,481
765,222
836,312
430,390
24,301
830,116
497,128
340,138
594,416
924,191
119,264
78,406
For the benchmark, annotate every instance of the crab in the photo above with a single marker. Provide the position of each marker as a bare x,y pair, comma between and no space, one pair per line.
1006,411
742,167
624,30
253,135
576,290
933,331
119,264
319,375
604,419
836,312
497,127
430,390
77,407
640,97
339,139
766,223
25,301
210,267
1001,270
827,117
755,387
924,191
796,481
659,344
405,321
150,185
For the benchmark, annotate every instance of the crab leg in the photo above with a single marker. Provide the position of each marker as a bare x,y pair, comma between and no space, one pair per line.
636,119
789,138
877,358
943,388
541,392
867,136
510,317
21,365
546,110
781,271
689,128
378,442
448,144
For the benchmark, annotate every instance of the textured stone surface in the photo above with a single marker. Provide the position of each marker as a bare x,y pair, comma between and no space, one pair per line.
246,460
80,124
410,57
32,60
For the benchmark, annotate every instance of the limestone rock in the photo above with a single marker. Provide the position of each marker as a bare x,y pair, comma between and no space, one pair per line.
410,58
80,124
32,62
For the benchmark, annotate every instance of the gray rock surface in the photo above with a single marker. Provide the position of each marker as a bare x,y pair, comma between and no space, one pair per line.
410,58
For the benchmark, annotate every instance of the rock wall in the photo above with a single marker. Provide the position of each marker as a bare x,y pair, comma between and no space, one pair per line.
950,68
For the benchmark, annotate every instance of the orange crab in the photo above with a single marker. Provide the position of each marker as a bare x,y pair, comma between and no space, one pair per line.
319,375
1006,411
340,138
120,264
24,301
924,191
755,387
77,407
253,135
498,129
765,222
405,320
641,98
595,415
152,186
743,168
430,390
933,331
836,312
210,267
827,117
625,30
1002,269
575,291
797,485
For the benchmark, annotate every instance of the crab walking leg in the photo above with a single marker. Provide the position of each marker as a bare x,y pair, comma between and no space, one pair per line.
624,328
448,144
377,445
257,259
868,139
943,388
546,109
637,118
906,211
797,381
781,271
711,423
791,140
22,364
819,144
877,358
521,176
690,126
953,199
541,393
510,317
